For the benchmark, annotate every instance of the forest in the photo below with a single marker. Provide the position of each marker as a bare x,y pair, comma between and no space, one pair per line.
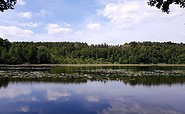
82,53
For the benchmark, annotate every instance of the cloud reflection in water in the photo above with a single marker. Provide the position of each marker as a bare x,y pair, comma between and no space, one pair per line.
12,93
24,109
92,99
129,105
53,95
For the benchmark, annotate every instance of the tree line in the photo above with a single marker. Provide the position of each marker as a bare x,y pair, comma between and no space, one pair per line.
82,53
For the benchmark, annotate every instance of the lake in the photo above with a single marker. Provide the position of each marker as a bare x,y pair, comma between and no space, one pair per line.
93,90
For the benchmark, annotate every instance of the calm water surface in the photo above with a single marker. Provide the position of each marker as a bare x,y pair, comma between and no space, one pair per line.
91,97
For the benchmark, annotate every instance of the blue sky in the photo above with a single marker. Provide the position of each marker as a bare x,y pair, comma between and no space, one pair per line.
91,21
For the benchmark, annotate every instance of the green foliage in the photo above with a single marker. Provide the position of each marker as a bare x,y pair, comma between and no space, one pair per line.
43,55
181,58
82,53
7,4
164,5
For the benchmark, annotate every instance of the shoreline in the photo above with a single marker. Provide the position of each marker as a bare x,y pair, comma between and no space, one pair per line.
86,65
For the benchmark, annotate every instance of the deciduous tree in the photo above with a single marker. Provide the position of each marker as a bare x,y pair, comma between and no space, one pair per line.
164,5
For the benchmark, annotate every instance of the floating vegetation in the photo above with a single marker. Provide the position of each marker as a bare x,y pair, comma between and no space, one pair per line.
126,72
104,73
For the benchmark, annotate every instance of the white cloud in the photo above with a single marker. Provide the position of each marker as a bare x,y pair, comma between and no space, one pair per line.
55,29
66,24
30,24
21,2
78,33
43,13
133,12
25,14
93,26
14,32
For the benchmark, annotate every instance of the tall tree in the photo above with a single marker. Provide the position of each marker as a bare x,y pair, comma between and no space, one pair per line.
164,5
7,4
43,55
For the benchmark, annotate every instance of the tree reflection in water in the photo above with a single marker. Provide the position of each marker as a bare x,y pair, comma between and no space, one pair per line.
133,81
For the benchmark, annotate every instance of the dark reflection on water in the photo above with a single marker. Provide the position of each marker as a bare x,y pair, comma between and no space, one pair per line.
132,81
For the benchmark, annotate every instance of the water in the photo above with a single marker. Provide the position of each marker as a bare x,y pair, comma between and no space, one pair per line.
164,96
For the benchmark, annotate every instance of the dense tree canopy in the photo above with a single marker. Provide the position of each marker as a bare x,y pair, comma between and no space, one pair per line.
7,4
164,5
77,53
